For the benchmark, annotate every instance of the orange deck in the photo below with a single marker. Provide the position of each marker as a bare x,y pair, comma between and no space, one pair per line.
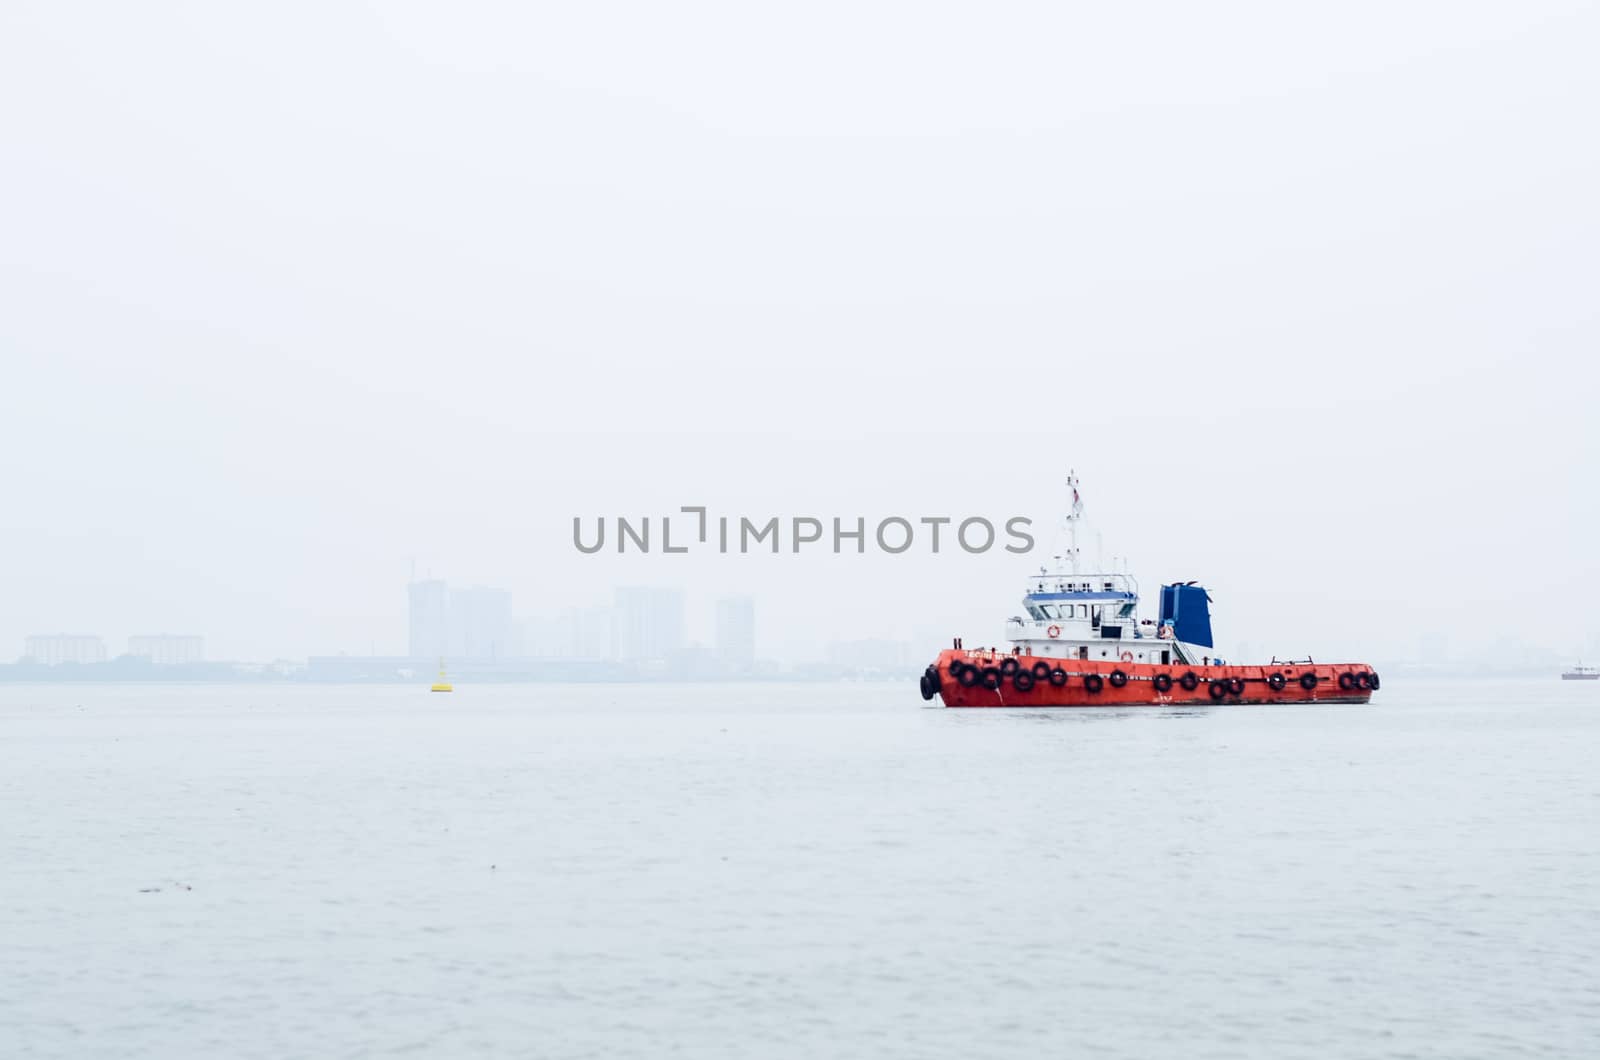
1125,684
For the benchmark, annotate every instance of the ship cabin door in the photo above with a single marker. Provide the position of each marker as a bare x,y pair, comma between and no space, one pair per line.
1083,652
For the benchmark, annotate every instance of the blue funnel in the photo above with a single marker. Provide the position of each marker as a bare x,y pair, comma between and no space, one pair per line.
1189,608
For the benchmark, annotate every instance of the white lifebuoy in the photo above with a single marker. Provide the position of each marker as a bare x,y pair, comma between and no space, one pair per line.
1053,632
1126,656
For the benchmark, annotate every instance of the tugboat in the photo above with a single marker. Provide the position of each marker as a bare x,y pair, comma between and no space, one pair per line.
1082,644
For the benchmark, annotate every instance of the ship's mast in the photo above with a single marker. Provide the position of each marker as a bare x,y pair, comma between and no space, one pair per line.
1070,523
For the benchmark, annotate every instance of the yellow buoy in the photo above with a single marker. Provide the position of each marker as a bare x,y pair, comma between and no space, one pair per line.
442,685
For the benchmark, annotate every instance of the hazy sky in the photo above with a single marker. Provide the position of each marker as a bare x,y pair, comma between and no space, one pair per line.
294,296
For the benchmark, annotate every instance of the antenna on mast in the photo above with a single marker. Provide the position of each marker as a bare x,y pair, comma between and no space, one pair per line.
1070,522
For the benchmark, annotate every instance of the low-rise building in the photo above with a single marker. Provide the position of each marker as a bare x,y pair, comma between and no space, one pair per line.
53,649
168,649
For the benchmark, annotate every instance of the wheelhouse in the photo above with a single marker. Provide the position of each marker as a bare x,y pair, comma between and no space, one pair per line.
1092,617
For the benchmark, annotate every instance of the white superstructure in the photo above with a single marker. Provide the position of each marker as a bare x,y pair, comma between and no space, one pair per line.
1095,616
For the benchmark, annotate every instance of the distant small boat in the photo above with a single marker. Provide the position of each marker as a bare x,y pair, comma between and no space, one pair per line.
442,685
1581,673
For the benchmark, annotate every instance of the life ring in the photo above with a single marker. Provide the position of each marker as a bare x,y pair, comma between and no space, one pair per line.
1126,656
1053,632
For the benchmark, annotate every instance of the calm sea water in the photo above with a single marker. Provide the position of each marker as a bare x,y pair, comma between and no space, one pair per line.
795,871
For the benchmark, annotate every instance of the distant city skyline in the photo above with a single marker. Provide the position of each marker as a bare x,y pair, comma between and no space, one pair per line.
648,625
644,626
1284,593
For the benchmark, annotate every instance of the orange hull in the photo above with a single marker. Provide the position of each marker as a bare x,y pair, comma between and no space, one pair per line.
992,680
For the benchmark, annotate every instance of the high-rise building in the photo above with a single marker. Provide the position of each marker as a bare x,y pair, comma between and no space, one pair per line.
480,624
52,649
430,619
536,638
650,623
168,649
594,633
736,631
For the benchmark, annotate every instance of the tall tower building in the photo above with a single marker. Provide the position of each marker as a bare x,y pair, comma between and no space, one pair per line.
480,624
430,619
649,623
736,631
